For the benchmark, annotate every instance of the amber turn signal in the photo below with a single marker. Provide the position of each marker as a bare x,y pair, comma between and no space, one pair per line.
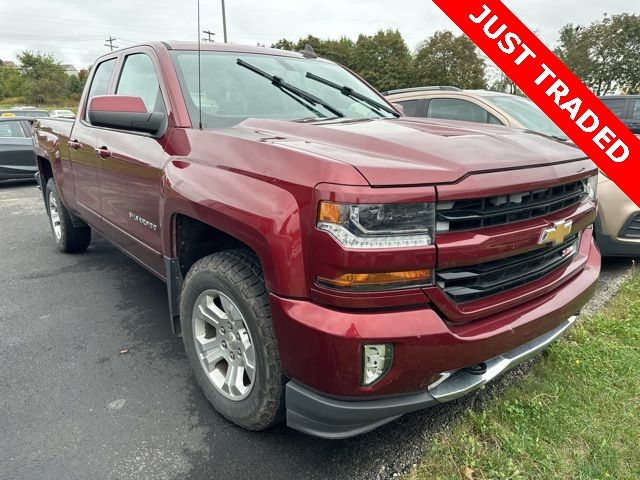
379,281
332,213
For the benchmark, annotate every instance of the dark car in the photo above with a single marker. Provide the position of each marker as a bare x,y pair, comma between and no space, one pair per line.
31,113
16,148
626,108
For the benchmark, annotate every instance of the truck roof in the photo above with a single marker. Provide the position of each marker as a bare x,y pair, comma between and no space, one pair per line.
213,47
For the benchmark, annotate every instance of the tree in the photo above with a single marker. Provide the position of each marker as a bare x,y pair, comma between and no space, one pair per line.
446,59
605,53
44,79
10,85
339,51
384,60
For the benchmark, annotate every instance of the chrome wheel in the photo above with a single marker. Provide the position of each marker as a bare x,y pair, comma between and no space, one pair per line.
223,344
54,216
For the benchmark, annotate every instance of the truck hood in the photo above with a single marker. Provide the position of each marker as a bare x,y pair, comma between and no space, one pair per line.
415,151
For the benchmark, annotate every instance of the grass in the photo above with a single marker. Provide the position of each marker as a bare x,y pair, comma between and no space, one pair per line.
575,417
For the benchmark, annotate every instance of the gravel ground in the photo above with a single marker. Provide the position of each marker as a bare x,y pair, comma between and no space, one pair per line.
94,385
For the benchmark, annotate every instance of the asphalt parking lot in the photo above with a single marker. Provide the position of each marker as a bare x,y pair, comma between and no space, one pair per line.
74,406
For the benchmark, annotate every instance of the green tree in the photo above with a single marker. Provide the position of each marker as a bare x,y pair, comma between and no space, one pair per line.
446,59
340,51
605,53
384,60
10,85
284,44
76,84
43,78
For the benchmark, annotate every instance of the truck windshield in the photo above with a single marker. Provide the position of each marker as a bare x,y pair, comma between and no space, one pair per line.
232,93
528,114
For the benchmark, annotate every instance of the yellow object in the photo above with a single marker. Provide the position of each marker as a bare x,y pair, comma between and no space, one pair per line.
378,279
7,114
332,213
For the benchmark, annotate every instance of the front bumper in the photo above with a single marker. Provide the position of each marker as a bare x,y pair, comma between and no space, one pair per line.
325,417
321,351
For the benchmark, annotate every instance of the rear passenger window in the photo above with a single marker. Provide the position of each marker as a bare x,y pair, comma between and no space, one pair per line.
11,129
410,107
456,109
616,105
100,82
635,111
139,79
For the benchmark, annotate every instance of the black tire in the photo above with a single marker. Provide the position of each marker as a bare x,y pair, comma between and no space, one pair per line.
238,275
71,239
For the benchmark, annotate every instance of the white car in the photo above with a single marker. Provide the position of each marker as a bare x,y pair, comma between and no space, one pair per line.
62,114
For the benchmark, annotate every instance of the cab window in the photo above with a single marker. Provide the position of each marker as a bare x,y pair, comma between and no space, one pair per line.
100,82
635,110
616,105
410,107
457,109
139,79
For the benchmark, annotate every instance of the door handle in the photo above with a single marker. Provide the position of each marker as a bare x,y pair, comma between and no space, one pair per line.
103,152
76,145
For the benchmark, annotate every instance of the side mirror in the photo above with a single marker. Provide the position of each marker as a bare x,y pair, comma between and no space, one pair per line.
398,107
125,113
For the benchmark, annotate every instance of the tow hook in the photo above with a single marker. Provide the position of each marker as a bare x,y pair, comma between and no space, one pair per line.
479,369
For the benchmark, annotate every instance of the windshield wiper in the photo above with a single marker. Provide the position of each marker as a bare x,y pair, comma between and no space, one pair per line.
287,87
349,92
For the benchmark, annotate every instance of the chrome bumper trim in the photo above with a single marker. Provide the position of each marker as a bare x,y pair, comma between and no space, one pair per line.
458,383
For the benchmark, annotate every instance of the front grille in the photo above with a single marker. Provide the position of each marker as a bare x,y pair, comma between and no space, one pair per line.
632,228
499,210
463,284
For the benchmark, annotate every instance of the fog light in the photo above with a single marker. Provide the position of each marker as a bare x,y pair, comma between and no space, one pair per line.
377,362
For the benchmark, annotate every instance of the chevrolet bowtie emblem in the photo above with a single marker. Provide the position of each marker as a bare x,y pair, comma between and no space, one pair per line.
558,233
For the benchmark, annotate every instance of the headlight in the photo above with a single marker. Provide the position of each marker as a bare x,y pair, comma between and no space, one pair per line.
378,225
592,187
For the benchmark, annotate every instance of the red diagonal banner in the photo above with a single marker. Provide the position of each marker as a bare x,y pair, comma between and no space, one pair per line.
552,86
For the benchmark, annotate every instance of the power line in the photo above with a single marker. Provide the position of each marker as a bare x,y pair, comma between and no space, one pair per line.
109,43
209,34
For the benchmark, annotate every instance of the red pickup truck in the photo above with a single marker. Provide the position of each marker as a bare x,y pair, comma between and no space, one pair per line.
327,260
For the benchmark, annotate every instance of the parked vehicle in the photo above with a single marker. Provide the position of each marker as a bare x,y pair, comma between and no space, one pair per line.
17,160
326,259
626,108
62,114
618,223
478,106
20,112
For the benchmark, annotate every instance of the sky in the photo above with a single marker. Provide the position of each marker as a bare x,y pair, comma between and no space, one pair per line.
75,30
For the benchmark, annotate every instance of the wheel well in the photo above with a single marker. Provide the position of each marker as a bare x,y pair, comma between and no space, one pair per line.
195,240
45,170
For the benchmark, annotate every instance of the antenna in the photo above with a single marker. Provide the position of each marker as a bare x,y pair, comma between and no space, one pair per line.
199,73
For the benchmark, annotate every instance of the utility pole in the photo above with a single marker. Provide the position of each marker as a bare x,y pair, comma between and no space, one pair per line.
209,34
224,22
109,43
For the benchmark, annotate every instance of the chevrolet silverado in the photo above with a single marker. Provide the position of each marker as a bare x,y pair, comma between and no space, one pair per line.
327,260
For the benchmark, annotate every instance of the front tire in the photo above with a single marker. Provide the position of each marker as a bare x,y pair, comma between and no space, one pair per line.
229,339
69,239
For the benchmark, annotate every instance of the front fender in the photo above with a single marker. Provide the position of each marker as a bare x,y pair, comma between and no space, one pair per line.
261,213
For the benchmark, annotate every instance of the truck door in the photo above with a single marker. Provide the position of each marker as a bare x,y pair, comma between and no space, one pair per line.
131,170
82,145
